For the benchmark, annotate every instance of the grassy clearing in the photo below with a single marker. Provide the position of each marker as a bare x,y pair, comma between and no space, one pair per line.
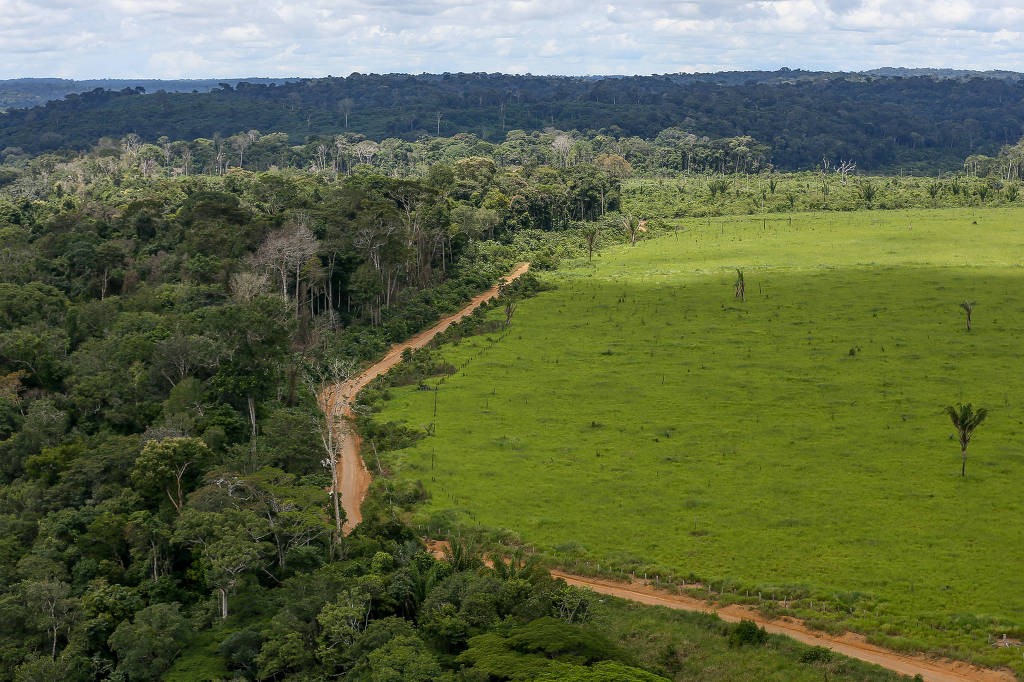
793,445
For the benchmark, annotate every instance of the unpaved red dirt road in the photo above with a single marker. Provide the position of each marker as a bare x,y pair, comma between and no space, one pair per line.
355,481
848,644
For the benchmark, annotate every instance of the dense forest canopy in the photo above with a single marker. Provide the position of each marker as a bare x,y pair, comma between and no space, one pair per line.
919,123
160,344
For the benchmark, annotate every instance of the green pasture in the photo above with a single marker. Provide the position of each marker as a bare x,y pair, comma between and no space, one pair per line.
637,417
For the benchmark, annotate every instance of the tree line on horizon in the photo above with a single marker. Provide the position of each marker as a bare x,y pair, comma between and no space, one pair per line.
919,124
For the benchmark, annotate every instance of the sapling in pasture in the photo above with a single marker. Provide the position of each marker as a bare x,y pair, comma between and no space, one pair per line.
740,286
968,307
965,418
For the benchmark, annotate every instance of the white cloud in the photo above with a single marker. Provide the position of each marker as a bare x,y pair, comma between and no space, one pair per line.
242,34
168,38
181,64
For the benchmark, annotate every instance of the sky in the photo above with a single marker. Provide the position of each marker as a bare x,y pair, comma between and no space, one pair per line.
248,38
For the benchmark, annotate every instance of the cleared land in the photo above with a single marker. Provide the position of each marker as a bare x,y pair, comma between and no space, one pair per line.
793,444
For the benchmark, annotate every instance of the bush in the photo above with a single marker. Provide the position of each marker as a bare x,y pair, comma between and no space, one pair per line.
747,632
816,654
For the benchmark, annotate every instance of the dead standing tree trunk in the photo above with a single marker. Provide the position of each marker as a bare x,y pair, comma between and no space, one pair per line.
740,286
968,307
324,382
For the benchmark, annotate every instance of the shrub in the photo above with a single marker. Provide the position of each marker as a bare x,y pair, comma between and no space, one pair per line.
816,654
747,632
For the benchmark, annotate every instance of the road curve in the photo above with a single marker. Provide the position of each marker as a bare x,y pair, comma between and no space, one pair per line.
336,400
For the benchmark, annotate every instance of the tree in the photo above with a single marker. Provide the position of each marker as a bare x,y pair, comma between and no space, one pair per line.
968,307
740,286
590,233
345,107
868,190
291,516
965,418
180,355
171,466
51,607
632,226
66,667
326,383
284,252
225,559
404,659
148,646
562,146
507,293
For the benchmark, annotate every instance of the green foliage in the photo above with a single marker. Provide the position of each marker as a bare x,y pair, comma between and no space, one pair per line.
148,644
688,196
603,671
747,633
817,654
549,649
67,667
239,650
170,468
403,659
289,440
965,420
552,638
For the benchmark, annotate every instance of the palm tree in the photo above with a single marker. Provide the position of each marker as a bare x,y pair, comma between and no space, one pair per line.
965,418
632,226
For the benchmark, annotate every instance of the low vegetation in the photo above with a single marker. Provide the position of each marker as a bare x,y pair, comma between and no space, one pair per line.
790,450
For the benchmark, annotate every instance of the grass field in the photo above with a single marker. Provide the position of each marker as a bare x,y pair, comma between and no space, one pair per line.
639,417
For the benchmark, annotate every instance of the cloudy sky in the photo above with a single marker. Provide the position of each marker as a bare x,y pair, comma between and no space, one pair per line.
245,38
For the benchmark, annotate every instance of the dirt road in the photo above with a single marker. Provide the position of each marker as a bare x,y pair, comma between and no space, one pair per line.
848,644
355,481
354,478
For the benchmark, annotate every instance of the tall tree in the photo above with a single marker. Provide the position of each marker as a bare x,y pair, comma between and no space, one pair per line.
284,252
170,466
326,383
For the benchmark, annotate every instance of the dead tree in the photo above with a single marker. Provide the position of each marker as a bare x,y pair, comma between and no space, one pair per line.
740,286
968,307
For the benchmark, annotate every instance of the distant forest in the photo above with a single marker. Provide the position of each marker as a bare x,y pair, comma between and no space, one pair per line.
22,93
888,121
